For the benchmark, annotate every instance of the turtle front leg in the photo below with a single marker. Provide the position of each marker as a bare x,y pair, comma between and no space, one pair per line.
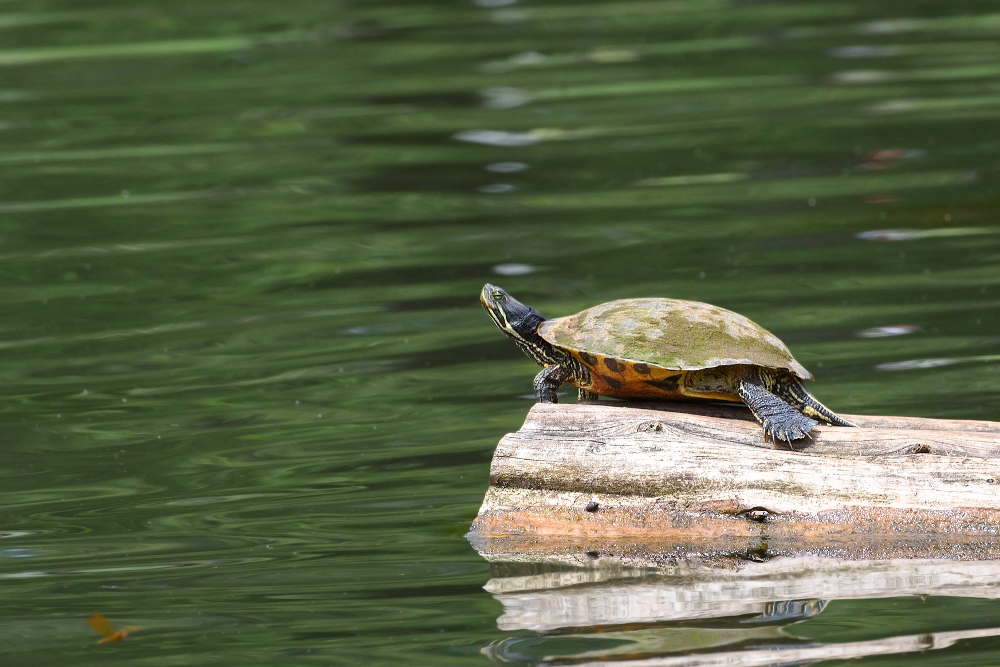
585,395
780,420
548,382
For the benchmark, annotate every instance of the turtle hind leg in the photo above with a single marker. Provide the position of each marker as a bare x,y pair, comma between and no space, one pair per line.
789,389
779,419
585,395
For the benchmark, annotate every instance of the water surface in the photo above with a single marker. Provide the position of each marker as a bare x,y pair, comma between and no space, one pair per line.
250,398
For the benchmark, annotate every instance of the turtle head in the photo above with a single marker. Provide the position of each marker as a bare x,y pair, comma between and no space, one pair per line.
518,321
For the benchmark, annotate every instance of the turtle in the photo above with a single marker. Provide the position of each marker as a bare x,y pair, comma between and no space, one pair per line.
661,349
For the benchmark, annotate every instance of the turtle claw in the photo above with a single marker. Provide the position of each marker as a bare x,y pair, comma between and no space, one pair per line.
789,427
779,419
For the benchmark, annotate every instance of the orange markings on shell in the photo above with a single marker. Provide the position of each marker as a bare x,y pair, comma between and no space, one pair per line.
613,377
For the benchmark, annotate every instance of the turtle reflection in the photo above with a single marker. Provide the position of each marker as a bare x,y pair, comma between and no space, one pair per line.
788,610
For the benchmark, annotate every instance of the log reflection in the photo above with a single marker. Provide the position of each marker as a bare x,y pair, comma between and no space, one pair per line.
691,613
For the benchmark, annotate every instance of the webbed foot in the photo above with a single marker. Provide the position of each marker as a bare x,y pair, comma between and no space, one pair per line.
779,419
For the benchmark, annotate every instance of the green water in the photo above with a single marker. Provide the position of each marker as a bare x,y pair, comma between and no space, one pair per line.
249,396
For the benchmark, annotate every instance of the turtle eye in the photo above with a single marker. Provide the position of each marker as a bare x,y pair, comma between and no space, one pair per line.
498,296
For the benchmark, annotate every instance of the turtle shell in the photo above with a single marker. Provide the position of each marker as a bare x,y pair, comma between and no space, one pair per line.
670,333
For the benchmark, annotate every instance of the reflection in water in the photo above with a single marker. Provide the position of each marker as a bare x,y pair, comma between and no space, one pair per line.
787,610
888,331
513,269
774,652
625,645
506,167
917,234
504,97
920,364
749,614
866,51
497,138
697,179
494,3
497,188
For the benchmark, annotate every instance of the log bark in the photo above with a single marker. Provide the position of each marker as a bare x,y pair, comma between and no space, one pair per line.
658,481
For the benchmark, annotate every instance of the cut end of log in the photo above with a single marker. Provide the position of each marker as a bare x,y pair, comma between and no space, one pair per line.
663,482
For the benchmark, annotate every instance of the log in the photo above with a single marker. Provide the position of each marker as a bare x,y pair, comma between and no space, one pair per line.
659,482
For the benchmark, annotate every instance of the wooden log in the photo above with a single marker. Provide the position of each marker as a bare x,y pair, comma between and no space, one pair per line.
661,481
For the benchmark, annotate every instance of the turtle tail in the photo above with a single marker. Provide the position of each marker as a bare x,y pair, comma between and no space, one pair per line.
790,390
